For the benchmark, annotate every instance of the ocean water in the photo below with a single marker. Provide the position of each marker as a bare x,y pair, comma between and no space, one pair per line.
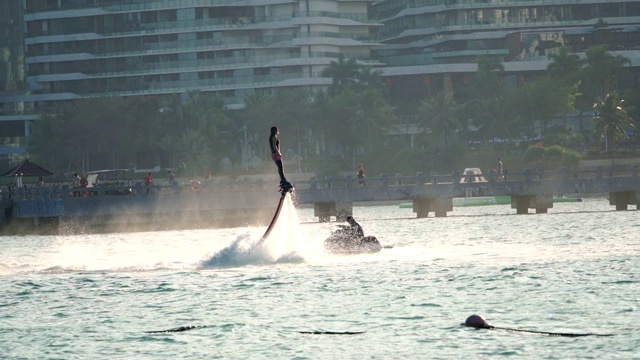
575,270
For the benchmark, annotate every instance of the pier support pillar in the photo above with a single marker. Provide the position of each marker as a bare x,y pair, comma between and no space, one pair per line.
622,199
422,207
522,203
343,210
325,210
542,203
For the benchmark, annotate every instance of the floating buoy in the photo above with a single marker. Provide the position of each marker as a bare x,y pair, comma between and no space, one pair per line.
477,321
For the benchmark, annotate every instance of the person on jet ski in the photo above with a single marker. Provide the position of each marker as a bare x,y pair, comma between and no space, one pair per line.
354,229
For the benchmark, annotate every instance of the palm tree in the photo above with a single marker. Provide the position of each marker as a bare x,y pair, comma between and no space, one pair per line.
368,125
260,113
564,65
601,71
611,120
294,114
193,152
319,115
438,114
496,118
486,83
370,78
47,142
543,99
343,72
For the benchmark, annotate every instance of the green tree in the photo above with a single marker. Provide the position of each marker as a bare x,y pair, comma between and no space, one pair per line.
319,116
486,84
564,66
542,100
294,118
193,154
611,121
554,156
206,115
344,73
438,117
497,117
47,143
368,125
601,72
535,155
261,113
370,78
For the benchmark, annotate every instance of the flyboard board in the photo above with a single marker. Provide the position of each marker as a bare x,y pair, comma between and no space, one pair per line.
284,189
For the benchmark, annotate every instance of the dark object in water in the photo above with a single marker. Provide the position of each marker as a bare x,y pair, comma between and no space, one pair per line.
178,329
478,322
341,242
332,332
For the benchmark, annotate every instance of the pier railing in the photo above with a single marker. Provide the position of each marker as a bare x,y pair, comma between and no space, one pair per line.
330,196
136,187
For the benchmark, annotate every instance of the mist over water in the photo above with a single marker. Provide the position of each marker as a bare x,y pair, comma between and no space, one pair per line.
574,269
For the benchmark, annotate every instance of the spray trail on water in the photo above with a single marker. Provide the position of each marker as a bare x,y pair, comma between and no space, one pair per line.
280,247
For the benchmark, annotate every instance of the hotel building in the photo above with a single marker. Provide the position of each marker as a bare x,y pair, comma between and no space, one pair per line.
436,43
91,48
58,50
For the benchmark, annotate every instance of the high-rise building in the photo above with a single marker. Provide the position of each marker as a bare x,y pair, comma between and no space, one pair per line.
57,50
13,121
92,48
150,47
436,43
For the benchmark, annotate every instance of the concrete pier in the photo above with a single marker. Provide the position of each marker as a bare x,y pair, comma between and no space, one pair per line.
252,203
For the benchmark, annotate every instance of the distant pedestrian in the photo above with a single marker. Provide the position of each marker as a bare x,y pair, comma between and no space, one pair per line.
499,171
84,183
171,178
147,182
360,172
75,183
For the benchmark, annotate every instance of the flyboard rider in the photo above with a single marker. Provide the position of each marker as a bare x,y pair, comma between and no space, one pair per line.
276,156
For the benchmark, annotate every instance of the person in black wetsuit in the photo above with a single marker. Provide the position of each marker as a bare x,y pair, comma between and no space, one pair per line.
354,228
276,155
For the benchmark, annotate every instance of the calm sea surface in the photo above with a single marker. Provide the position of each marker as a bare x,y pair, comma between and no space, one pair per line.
573,270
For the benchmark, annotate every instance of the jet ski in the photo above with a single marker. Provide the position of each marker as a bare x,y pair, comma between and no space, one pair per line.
343,241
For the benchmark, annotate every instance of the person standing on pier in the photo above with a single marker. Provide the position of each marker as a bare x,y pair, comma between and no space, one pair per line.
360,172
171,178
147,182
499,171
75,183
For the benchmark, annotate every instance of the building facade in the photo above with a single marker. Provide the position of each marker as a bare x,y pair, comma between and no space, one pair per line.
436,43
13,120
93,48
59,50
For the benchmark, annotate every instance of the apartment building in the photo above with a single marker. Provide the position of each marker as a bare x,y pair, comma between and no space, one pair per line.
436,43
90,48
13,120
58,50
